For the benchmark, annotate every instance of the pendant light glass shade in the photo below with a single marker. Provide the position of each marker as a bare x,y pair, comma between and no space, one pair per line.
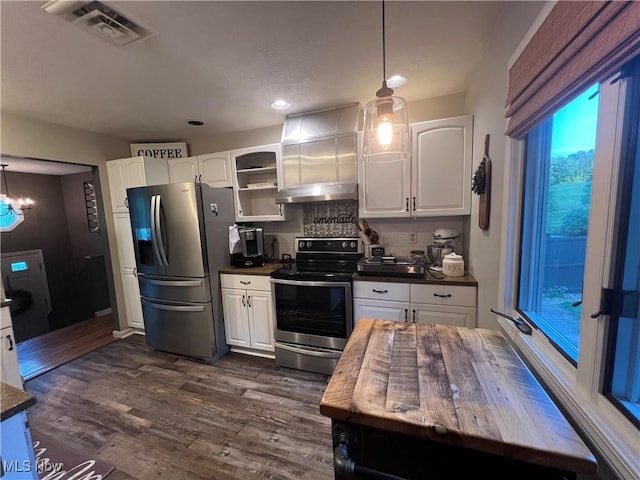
386,135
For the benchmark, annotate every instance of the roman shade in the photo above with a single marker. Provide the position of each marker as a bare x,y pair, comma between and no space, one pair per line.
578,44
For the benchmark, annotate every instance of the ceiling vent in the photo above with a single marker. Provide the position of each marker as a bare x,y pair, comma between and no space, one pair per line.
102,21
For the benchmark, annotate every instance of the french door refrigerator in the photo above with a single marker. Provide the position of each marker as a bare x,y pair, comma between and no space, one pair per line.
180,236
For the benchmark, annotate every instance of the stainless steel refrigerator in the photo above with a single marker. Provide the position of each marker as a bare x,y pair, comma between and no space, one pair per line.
180,236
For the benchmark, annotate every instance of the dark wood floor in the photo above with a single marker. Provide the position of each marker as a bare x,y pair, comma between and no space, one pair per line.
155,415
43,353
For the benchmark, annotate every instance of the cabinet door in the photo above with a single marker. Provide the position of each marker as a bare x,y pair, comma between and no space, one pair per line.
380,310
236,317
117,185
9,368
132,303
443,315
215,169
441,167
384,188
183,170
134,173
124,240
256,179
260,320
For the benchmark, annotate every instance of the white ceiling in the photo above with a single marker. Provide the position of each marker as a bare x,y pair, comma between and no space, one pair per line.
225,62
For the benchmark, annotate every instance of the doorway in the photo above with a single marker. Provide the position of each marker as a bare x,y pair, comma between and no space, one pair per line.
25,282
62,237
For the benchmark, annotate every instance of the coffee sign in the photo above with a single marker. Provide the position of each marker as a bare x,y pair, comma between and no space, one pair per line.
159,150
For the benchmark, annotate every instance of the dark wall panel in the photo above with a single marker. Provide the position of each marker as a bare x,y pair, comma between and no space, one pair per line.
44,228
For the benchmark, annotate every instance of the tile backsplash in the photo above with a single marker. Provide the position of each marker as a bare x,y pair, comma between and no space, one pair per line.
331,219
338,219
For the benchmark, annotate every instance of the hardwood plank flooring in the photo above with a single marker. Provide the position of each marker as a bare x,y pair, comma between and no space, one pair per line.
156,415
43,353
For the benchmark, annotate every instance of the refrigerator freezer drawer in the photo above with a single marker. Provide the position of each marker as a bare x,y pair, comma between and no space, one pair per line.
175,289
184,329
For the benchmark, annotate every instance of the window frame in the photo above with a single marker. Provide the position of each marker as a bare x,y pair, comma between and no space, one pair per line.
576,388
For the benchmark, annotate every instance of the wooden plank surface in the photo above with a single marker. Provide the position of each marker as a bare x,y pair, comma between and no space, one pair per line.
453,385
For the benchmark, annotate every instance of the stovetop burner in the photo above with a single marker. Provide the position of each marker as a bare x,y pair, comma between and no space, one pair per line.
326,259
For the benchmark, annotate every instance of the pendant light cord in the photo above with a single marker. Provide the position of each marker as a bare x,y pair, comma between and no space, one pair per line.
384,51
4,177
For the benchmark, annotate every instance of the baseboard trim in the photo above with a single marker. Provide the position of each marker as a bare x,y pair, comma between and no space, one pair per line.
127,332
103,313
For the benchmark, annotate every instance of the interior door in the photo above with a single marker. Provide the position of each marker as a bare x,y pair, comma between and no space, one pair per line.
25,283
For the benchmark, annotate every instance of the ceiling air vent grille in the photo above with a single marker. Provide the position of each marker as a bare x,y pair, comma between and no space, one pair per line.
100,20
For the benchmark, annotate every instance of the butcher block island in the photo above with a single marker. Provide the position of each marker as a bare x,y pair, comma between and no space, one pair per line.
421,401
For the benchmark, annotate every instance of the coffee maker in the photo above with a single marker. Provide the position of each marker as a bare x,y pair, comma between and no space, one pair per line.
252,248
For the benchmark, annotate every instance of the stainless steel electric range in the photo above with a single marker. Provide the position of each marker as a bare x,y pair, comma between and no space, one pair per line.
313,302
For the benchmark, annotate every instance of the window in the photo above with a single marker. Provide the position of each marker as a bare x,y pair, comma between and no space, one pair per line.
558,173
582,243
9,219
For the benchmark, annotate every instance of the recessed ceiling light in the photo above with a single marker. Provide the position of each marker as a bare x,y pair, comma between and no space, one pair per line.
280,104
197,123
396,81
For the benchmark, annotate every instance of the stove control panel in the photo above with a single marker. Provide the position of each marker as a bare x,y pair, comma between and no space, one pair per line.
328,245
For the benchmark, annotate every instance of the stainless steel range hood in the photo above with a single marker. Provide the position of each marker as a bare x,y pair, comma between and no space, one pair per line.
319,156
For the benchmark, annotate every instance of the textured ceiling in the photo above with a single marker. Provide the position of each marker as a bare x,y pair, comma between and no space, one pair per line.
224,62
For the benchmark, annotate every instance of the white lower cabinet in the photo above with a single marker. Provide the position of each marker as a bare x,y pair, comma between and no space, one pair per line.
444,304
248,312
9,367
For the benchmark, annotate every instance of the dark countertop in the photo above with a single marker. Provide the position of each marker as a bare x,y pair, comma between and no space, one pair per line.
13,401
465,280
265,270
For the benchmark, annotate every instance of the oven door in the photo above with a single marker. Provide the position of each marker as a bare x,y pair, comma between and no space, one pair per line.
315,313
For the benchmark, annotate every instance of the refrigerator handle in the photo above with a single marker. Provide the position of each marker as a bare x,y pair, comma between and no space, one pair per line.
154,233
163,253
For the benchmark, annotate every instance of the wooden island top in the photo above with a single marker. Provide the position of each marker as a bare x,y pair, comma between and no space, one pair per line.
453,385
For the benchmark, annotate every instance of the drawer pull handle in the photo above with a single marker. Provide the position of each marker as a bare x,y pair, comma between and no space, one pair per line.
380,291
243,302
406,312
448,295
245,283
414,316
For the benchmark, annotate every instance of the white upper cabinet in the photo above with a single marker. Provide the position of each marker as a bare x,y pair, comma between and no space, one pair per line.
132,172
214,169
441,174
436,181
255,178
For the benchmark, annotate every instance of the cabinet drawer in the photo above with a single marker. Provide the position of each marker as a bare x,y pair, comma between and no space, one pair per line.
251,282
398,292
444,295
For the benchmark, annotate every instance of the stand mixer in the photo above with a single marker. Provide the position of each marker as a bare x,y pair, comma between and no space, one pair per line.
444,243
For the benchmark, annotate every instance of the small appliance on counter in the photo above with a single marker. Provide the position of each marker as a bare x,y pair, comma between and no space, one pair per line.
392,266
444,243
250,243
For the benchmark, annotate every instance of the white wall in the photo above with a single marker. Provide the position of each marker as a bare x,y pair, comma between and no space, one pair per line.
485,98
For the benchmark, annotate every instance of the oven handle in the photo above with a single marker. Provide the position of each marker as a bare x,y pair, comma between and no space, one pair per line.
305,283
312,353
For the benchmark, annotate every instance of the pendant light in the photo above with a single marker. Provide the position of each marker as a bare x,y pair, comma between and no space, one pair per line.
386,136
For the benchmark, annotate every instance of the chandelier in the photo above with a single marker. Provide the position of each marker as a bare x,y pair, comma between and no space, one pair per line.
10,206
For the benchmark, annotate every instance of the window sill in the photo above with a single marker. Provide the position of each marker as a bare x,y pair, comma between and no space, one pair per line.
614,438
